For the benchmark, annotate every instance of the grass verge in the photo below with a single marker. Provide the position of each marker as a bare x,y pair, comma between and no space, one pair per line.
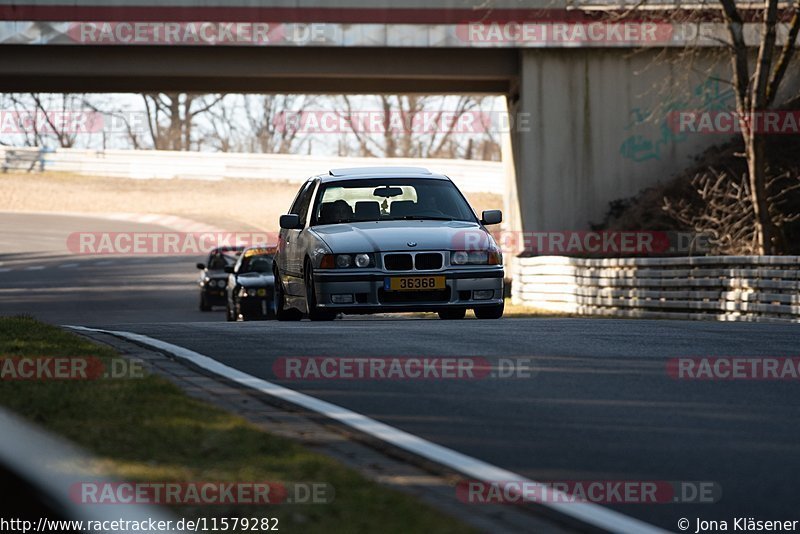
148,430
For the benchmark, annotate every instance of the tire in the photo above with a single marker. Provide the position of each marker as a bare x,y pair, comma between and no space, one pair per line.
453,314
204,307
281,313
315,313
490,312
237,313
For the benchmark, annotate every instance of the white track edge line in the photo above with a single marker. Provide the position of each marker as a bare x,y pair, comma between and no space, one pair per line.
589,513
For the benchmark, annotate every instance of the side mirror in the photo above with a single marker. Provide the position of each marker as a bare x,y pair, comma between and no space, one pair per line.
229,269
290,222
492,217
201,266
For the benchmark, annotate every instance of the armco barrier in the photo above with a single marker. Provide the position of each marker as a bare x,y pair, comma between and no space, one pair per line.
470,176
724,288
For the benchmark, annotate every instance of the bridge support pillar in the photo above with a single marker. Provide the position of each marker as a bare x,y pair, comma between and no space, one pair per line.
591,125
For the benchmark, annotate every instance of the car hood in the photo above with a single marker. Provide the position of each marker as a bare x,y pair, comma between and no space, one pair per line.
388,236
255,279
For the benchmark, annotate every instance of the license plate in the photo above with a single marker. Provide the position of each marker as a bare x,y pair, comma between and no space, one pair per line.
414,283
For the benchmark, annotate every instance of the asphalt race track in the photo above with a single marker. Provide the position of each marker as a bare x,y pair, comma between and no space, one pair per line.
599,404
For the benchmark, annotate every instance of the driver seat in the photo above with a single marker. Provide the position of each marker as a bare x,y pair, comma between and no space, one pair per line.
402,208
368,211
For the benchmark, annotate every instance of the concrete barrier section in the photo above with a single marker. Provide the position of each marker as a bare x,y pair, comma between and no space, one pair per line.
722,288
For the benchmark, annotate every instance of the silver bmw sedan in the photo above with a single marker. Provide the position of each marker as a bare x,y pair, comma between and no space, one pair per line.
386,239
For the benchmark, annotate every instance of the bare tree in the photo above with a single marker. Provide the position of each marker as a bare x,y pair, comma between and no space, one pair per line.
44,118
172,118
721,196
223,130
417,126
269,132
755,91
754,86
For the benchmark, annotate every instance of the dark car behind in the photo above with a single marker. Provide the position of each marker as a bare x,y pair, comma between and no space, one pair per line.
251,285
213,278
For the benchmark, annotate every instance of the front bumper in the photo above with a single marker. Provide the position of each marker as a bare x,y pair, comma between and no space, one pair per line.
257,307
215,296
369,295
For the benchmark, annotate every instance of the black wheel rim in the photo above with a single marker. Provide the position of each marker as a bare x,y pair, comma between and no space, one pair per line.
311,299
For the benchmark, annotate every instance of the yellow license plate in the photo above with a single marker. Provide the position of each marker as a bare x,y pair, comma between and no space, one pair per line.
414,283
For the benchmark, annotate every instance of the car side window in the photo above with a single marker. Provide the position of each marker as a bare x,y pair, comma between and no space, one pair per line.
303,202
216,262
294,210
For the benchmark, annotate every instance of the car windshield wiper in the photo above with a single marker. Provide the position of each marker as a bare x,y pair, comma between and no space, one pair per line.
421,218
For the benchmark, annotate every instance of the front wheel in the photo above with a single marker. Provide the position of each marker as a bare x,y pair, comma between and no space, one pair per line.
314,312
281,312
490,312
238,314
204,306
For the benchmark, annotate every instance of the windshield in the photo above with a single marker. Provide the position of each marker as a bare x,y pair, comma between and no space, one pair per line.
256,264
221,258
390,200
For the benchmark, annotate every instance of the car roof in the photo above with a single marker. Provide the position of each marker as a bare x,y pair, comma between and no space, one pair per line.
359,173
232,248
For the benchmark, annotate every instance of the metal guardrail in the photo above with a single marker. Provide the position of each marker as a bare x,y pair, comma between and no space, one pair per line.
470,176
45,469
724,288
23,160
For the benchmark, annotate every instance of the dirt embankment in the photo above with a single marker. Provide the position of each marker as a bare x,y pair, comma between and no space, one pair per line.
237,205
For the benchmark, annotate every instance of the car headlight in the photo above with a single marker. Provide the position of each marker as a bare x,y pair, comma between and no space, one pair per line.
477,257
253,292
362,260
343,261
346,261
459,258
222,283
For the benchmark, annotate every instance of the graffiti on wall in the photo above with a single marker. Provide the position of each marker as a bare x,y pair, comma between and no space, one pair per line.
709,95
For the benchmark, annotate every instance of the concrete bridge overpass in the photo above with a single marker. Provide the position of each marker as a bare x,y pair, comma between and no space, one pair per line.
590,101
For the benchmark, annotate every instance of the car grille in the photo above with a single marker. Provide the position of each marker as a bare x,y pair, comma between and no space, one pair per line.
404,297
428,262
398,262
424,261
